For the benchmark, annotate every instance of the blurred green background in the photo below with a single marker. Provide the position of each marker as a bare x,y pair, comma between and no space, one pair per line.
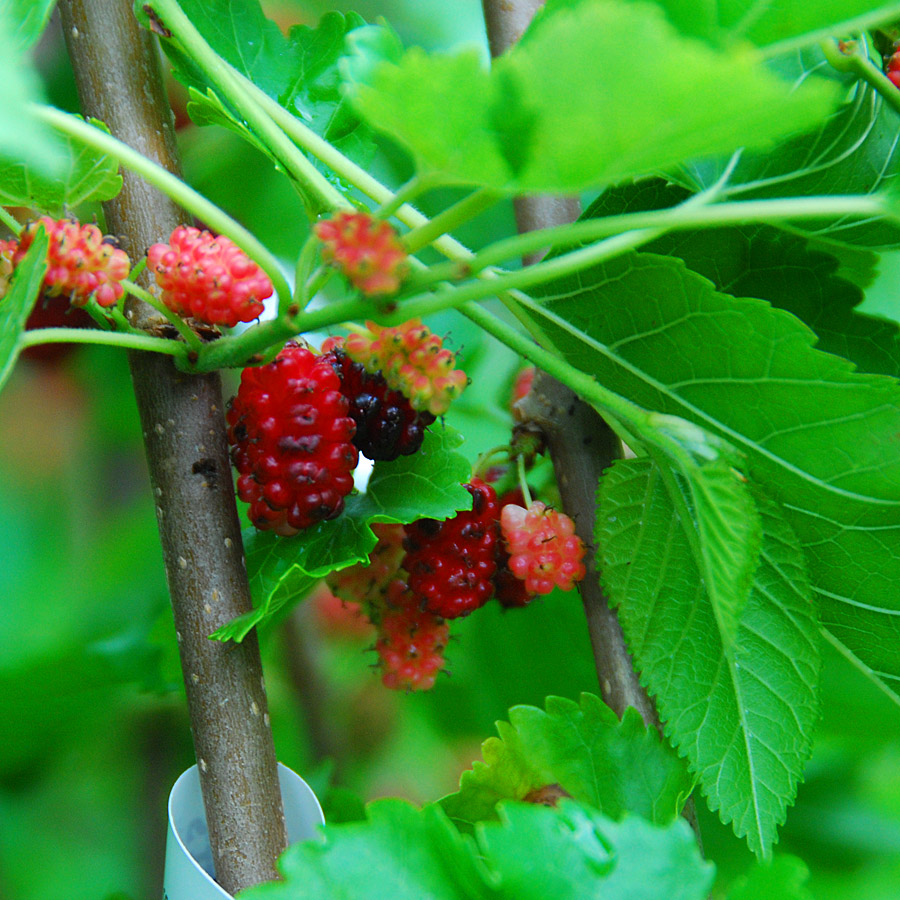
94,726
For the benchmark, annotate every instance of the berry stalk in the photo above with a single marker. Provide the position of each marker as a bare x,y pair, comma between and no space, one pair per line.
117,73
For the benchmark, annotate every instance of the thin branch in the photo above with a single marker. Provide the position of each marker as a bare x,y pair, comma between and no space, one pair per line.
116,67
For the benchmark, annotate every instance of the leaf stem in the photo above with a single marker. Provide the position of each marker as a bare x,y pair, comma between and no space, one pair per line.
108,338
170,185
316,189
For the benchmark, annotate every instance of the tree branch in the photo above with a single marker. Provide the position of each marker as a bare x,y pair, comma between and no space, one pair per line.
117,70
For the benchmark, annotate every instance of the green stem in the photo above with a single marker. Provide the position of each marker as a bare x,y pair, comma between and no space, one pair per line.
318,147
10,222
653,223
171,186
110,338
523,479
450,219
603,399
863,68
190,338
318,192
406,193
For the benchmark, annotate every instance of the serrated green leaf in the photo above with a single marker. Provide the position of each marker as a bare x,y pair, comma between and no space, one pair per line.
744,718
784,878
427,484
853,151
777,24
774,265
569,108
583,748
816,435
17,304
300,70
533,853
84,174
22,137
29,18
716,511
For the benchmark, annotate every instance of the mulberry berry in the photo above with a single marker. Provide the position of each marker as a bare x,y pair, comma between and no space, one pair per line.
451,564
81,263
386,424
412,361
209,278
544,550
366,250
410,643
291,439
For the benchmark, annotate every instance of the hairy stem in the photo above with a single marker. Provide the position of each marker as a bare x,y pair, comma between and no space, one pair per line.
117,72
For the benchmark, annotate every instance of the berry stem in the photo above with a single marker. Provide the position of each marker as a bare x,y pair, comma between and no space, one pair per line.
170,185
107,338
190,338
318,193
523,479
860,65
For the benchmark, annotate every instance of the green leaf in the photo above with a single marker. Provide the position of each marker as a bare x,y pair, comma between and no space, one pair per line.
774,265
29,18
582,748
817,436
300,70
22,137
716,511
84,174
777,24
17,304
743,717
784,878
853,151
427,484
571,108
533,853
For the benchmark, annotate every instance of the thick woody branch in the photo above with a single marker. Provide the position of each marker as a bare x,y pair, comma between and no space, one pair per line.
117,70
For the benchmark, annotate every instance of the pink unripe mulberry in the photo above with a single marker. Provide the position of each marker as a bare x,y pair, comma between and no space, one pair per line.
208,278
81,263
544,550
367,250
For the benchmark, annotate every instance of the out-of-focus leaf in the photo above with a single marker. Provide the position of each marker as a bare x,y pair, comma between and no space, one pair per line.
29,18
570,108
84,174
22,137
532,853
581,749
784,878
